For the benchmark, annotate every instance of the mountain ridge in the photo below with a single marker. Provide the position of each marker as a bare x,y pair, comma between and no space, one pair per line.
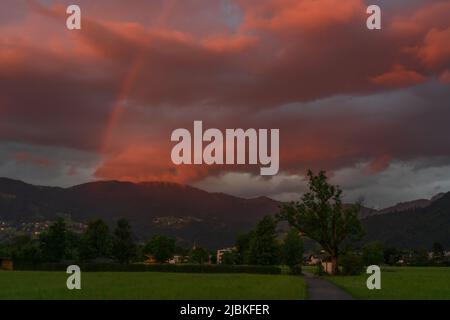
213,218
194,215
412,228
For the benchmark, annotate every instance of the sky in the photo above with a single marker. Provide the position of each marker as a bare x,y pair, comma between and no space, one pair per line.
371,107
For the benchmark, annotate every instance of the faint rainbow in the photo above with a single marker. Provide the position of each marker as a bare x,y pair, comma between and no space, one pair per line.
119,108
130,78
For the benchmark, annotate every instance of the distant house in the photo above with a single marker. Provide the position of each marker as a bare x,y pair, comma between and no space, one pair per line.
221,252
176,259
150,260
327,267
6,263
319,259
312,260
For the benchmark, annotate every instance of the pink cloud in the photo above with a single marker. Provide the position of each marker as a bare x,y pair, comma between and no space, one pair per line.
445,76
25,157
435,50
301,15
379,164
398,77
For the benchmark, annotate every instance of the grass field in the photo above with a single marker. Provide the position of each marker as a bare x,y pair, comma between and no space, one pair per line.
400,283
151,285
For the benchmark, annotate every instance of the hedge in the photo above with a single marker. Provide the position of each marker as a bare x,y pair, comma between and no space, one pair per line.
186,268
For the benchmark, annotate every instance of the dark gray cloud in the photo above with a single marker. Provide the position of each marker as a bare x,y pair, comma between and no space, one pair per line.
50,166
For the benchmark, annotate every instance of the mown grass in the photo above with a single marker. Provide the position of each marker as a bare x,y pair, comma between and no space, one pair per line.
400,283
150,286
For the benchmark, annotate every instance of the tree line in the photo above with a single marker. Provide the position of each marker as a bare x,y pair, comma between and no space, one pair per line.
96,244
59,244
99,244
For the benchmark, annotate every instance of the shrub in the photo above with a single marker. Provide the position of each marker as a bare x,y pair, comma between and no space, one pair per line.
319,269
295,270
185,268
352,264
230,258
198,255
373,253
161,247
292,251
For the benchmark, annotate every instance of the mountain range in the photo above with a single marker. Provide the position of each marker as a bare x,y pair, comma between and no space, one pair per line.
189,214
195,216
415,224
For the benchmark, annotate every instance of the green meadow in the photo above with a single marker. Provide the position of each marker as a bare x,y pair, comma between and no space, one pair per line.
150,286
400,283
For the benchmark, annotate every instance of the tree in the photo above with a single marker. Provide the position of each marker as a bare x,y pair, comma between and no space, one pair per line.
161,248
419,257
292,250
213,257
73,241
438,252
124,248
243,246
24,250
352,264
321,216
28,254
199,255
230,258
54,242
5,251
264,249
391,255
373,253
20,240
96,241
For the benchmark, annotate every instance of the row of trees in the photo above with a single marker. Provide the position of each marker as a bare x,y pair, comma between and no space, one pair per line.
163,248
59,244
258,247
96,244
377,253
